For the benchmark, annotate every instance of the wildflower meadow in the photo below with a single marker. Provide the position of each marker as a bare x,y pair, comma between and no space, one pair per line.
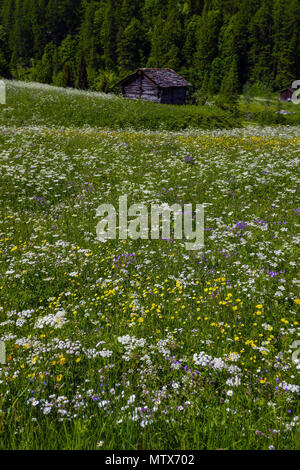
142,344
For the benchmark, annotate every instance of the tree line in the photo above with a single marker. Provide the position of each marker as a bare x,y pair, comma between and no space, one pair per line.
215,44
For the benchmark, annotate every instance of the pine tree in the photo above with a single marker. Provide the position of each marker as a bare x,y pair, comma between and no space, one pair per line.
228,44
62,18
157,46
16,36
172,37
106,81
207,49
4,53
229,92
67,50
67,76
7,15
285,36
190,41
38,26
202,94
216,76
130,50
197,38
109,34
90,39
45,67
230,87
82,78
261,43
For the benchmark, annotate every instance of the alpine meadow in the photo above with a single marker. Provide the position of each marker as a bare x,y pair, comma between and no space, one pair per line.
132,342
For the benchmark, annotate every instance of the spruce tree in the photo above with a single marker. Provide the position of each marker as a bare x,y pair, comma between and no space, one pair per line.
130,48
231,84
4,53
109,33
207,48
285,36
229,92
261,43
67,76
202,94
195,37
216,76
45,67
82,78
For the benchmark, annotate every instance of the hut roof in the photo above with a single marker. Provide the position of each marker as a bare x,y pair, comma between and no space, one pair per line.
164,78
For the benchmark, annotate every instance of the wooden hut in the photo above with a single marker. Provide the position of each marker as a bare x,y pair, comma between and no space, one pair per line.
286,95
158,85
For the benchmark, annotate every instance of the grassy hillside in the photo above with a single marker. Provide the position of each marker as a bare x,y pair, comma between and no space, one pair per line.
142,344
41,104
38,104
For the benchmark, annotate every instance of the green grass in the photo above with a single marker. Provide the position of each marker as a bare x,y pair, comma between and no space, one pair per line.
264,111
48,105
105,342
36,104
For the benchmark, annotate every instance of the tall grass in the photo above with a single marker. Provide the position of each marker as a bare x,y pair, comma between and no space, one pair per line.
43,104
141,344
